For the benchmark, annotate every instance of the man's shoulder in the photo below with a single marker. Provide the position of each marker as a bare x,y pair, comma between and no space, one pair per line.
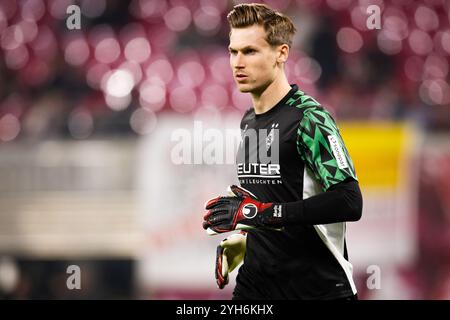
307,105
307,108
301,100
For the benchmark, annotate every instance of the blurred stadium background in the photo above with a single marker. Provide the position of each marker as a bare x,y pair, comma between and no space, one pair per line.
87,122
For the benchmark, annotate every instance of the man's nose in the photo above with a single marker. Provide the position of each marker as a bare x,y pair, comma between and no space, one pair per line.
239,62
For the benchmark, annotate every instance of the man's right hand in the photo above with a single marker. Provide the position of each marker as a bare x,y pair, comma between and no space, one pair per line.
242,211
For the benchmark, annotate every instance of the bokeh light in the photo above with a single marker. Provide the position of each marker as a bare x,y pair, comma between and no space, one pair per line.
445,41
17,57
76,52
152,96
349,40
307,70
29,30
143,121
435,67
137,50
118,83
12,37
117,103
80,124
435,92
134,69
9,127
215,95
388,45
191,73
420,42
161,69
358,16
33,10
207,20
178,18
395,25
107,50
183,99
9,274
426,18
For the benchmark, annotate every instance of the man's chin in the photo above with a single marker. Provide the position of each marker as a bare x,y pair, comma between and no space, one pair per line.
244,88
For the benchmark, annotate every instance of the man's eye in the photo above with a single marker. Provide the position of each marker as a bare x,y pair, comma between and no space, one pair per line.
250,51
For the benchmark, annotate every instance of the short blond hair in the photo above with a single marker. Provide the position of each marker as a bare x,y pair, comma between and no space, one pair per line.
279,28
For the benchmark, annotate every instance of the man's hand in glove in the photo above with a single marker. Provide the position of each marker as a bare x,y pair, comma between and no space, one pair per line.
241,212
230,253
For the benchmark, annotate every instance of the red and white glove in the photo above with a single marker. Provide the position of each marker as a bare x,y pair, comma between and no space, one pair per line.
241,212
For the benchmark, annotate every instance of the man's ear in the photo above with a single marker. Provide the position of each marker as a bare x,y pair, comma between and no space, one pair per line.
282,53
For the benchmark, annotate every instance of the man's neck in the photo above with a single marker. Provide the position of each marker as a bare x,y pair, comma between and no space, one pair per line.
266,100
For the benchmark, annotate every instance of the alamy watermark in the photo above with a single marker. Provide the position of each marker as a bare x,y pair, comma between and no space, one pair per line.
374,19
374,279
214,146
74,280
73,21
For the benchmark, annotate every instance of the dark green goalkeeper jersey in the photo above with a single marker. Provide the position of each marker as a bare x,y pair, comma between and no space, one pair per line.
289,153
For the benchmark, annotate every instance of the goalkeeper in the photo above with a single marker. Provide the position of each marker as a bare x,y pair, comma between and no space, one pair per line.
294,206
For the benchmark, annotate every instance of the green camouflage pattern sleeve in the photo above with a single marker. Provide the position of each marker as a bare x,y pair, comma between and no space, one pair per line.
322,148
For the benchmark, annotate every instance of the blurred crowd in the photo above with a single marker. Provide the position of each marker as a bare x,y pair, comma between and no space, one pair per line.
131,60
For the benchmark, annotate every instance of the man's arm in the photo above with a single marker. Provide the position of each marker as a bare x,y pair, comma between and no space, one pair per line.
321,147
342,202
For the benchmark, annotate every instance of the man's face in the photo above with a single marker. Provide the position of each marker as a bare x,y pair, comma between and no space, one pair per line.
253,61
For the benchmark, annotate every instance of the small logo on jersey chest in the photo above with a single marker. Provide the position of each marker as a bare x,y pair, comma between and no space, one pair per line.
271,136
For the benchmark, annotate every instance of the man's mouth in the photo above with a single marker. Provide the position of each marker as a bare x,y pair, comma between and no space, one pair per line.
241,77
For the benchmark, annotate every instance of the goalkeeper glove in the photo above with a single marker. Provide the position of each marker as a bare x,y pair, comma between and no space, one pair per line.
241,212
232,191
230,253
